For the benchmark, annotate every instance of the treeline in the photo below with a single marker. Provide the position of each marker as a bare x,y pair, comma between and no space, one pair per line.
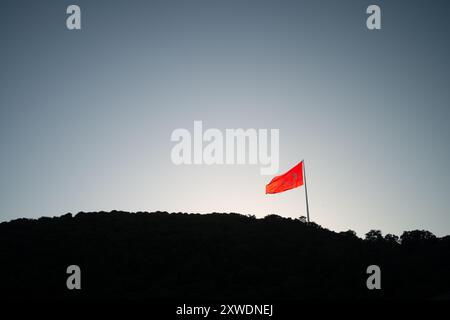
214,256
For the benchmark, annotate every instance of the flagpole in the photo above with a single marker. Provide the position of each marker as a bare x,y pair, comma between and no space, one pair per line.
306,190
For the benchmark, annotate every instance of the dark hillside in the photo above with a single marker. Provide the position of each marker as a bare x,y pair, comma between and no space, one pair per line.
161,255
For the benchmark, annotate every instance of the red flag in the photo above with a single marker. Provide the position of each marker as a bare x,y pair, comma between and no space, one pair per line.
289,180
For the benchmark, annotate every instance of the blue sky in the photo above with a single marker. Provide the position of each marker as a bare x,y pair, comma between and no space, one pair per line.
86,116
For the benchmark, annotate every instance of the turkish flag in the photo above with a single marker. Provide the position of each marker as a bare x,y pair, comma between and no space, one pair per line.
289,180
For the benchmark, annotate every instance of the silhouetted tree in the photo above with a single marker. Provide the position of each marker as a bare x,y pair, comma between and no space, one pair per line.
273,217
391,238
314,225
417,237
349,234
374,236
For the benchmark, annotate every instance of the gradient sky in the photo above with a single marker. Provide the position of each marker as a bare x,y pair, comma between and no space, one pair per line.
86,116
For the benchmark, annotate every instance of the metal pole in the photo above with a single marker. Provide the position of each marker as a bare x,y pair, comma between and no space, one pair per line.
306,190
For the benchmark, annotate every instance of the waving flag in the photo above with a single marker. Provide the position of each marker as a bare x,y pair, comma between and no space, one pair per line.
289,180
292,179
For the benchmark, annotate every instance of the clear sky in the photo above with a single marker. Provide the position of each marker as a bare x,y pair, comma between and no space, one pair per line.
86,116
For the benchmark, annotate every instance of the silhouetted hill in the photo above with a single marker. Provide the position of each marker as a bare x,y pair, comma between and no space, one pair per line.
161,255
